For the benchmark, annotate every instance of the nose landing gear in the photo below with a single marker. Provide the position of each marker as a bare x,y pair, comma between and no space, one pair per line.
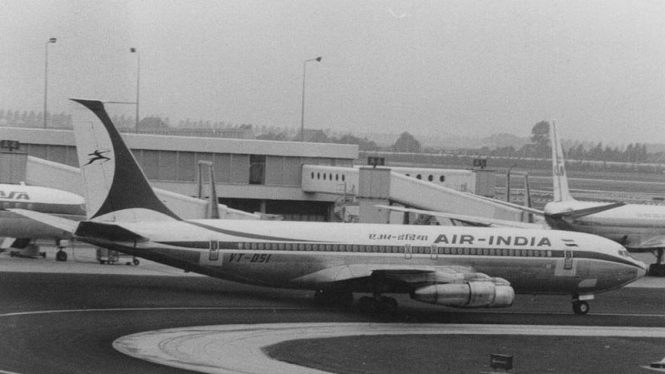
580,307
580,304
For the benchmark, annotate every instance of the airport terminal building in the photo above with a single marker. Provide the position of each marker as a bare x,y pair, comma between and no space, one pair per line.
296,180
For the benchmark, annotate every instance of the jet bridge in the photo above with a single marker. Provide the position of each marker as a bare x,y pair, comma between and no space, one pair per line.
382,186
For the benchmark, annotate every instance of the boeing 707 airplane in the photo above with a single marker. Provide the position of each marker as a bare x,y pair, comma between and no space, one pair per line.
465,267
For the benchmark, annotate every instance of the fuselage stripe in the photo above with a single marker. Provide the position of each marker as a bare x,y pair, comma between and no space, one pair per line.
398,249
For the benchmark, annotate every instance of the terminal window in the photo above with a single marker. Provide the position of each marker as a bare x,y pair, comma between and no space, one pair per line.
257,169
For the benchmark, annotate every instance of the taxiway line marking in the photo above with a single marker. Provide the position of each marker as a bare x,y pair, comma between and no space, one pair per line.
226,349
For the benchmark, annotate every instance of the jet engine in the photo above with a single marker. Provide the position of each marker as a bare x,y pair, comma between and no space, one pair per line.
494,293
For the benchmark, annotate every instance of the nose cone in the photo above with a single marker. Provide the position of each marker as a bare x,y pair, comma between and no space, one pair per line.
641,269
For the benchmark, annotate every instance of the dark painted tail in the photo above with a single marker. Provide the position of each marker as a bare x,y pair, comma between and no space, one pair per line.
116,188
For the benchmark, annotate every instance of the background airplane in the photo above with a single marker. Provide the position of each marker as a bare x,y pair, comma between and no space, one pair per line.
462,267
20,232
640,228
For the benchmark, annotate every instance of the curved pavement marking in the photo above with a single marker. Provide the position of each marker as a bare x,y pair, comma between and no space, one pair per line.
226,349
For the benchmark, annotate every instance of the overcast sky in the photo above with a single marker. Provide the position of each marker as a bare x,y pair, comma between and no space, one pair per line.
441,67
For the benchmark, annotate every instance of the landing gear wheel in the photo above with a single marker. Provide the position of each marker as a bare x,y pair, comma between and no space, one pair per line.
580,307
136,262
387,304
337,299
61,256
374,305
368,305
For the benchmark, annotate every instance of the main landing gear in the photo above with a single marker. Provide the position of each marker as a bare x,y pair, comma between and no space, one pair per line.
377,304
366,304
335,299
657,269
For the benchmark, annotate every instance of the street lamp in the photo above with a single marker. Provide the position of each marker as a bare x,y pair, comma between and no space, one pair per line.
302,114
50,41
138,81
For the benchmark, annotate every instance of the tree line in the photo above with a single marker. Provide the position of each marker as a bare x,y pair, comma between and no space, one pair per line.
405,143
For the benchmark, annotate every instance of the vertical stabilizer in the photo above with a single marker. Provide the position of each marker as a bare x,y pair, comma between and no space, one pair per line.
559,176
527,197
116,188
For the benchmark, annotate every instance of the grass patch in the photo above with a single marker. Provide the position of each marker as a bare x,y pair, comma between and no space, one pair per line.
390,354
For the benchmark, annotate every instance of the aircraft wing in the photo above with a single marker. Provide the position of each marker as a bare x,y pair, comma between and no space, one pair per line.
649,245
512,205
471,220
395,276
577,213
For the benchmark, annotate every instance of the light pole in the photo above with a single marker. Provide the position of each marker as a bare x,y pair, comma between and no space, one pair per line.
302,113
138,81
50,41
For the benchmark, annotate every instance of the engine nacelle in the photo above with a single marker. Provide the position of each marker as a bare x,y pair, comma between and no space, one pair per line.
467,295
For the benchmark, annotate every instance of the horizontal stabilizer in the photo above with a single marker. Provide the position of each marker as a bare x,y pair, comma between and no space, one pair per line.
586,211
59,223
107,231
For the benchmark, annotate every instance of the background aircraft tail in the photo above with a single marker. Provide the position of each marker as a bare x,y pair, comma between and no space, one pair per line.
559,176
116,188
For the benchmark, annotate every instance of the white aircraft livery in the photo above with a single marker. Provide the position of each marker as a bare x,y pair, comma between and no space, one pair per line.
465,267
40,199
640,228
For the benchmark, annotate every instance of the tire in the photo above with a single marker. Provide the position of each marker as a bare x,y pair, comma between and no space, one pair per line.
388,304
581,307
61,256
368,305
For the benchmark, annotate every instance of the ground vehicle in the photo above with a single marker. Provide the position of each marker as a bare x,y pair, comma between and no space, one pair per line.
107,256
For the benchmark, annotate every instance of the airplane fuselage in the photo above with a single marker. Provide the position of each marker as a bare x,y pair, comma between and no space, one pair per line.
38,199
321,255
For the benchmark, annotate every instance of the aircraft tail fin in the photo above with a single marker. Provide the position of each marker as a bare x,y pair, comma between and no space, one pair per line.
559,176
116,188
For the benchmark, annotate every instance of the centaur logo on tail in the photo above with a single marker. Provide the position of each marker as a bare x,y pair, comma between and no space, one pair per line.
332,259
97,156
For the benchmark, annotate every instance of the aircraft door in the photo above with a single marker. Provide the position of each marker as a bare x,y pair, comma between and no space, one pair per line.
566,266
212,257
568,260
214,251
434,252
408,251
